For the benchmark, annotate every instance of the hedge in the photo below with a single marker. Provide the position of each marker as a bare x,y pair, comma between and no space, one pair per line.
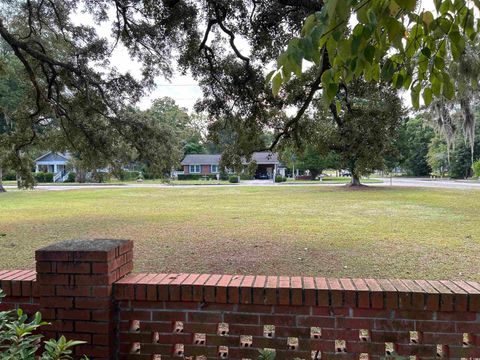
197,176
43,177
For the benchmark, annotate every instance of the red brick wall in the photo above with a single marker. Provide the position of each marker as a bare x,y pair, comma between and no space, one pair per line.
301,317
186,169
19,286
82,289
206,169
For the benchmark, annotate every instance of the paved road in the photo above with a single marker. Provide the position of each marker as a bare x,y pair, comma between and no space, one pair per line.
402,182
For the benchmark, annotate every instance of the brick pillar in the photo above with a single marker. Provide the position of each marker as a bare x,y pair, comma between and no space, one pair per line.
74,280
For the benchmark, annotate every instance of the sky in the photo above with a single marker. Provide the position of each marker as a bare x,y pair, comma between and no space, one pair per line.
182,88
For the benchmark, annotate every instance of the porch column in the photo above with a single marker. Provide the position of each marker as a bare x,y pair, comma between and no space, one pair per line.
36,168
55,168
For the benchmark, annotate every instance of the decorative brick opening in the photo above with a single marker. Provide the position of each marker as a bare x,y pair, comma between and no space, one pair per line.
178,350
222,329
389,348
292,343
223,352
178,327
340,346
442,351
269,331
246,341
415,337
199,339
364,335
315,332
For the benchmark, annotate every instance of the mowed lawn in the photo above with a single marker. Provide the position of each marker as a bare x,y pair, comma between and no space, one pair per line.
310,230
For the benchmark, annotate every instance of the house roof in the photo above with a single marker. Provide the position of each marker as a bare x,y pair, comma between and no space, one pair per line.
52,156
214,159
201,159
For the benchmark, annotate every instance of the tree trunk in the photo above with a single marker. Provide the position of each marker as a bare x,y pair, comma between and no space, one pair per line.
355,180
2,189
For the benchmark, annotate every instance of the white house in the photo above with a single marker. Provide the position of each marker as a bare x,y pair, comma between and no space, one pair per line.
55,163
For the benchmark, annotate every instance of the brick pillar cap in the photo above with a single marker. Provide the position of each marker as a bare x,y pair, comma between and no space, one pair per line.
84,250
86,245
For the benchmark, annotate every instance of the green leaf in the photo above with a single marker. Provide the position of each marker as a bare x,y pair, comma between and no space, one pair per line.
369,53
445,7
330,92
427,96
338,104
415,94
309,24
439,62
436,85
276,83
372,18
457,43
387,70
427,18
408,5
397,80
427,52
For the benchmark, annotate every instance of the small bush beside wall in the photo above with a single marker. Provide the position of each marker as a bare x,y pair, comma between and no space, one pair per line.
20,338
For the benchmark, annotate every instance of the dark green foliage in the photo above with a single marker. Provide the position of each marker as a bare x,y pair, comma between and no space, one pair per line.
315,161
100,177
43,177
197,177
413,144
233,179
461,162
9,176
476,168
224,176
71,177
280,178
129,175
20,338
246,177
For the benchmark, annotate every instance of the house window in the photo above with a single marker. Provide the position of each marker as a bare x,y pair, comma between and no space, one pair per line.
194,169
214,169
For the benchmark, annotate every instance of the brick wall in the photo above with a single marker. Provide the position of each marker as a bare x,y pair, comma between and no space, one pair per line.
175,315
19,287
84,288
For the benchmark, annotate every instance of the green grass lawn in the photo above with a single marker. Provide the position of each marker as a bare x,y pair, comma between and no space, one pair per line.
374,232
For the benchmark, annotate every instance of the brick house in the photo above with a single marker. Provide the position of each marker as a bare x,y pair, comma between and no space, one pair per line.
208,164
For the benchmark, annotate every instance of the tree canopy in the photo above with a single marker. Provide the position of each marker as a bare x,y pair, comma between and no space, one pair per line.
394,42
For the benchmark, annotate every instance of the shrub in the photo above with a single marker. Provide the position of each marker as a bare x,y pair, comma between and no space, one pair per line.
9,176
246,177
197,177
43,177
233,179
100,177
17,340
280,178
71,177
224,176
476,168
129,175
